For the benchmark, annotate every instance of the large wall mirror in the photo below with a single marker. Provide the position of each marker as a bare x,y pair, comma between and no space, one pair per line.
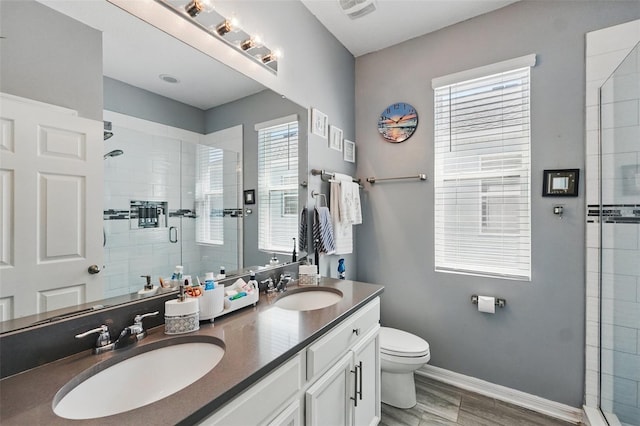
181,149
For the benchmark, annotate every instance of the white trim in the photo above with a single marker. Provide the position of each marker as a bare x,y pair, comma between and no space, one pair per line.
38,104
498,67
503,393
276,122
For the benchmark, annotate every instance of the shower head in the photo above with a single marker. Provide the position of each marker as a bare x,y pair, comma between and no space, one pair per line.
113,153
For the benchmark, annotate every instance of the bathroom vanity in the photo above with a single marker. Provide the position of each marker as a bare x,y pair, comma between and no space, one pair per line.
280,366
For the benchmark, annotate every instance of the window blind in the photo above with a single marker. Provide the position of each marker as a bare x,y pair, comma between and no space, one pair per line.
278,212
209,195
482,176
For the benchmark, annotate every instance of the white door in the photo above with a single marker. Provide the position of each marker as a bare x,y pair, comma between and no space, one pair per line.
50,207
328,401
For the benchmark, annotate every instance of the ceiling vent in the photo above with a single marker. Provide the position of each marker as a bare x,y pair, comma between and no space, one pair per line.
355,9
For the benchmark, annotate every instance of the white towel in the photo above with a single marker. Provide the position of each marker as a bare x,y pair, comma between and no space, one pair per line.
342,231
350,207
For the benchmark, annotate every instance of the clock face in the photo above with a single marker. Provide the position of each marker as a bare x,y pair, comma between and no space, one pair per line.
398,122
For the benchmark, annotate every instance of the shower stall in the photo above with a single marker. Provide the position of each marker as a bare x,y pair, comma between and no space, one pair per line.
619,219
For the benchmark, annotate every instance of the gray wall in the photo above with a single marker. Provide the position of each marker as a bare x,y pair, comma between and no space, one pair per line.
49,57
136,102
535,344
248,111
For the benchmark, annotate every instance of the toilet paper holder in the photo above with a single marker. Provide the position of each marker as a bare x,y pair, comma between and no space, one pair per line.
499,302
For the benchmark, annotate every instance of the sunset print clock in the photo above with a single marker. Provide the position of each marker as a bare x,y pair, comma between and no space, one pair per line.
398,122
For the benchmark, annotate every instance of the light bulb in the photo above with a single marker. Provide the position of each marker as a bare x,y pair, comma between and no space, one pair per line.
195,7
250,43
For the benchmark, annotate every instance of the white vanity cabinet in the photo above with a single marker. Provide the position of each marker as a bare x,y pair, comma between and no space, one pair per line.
334,381
271,401
349,392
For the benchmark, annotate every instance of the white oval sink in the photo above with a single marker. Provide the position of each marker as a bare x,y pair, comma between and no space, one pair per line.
135,381
308,299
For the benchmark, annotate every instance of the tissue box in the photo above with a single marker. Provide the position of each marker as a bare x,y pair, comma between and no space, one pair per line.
307,275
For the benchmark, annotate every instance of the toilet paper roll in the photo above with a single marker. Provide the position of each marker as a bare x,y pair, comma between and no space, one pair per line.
487,304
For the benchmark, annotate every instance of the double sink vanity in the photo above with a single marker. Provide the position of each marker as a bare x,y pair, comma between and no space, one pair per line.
309,356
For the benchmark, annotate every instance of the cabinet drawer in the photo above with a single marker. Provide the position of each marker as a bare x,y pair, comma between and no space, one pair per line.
321,354
259,402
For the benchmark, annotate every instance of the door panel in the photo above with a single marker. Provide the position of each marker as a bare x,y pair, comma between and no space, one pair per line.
51,213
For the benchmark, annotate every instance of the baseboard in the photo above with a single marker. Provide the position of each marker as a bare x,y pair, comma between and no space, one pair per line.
503,393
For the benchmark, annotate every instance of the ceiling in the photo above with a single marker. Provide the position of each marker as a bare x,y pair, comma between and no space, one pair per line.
136,53
395,21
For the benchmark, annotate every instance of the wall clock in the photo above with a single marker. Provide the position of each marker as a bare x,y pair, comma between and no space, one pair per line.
398,122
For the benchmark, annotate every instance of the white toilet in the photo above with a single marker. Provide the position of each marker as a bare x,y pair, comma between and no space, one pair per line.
401,354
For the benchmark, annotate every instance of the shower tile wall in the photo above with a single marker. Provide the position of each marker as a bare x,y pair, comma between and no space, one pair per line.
148,170
620,245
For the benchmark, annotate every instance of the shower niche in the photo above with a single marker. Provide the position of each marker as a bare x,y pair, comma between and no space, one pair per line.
147,214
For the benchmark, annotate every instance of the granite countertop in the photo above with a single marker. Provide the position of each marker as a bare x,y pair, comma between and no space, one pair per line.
256,341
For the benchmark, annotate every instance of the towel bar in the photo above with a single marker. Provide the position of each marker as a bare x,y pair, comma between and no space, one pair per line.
373,180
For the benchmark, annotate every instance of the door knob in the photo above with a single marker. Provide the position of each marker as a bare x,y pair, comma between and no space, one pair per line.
94,269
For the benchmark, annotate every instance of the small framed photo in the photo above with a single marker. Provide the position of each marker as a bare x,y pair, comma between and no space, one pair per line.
560,183
335,138
250,196
349,151
319,123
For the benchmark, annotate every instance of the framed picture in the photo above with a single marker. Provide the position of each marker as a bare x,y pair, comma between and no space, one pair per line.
319,123
250,196
335,138
349,151
560,183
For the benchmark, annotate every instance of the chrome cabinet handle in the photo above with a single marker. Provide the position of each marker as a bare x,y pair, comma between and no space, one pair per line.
360,392
355,386
93,269
356,331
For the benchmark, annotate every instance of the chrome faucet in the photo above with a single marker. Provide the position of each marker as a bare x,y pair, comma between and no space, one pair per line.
135,331
104,343
269,286
283,281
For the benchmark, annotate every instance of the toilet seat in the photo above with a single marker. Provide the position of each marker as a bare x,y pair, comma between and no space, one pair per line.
399,343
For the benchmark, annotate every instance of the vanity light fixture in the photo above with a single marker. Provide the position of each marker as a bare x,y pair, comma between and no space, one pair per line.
226,29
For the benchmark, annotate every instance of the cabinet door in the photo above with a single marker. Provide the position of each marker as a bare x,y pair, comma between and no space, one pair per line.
328,400
367,363
290,416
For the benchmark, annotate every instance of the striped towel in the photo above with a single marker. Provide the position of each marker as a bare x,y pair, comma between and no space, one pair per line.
302,230
323,230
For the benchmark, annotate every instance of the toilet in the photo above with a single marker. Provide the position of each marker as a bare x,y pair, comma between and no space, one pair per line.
401,354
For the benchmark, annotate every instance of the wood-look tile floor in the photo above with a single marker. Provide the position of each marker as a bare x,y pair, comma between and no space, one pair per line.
440,404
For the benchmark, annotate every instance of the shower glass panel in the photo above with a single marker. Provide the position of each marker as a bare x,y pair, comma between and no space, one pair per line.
620,243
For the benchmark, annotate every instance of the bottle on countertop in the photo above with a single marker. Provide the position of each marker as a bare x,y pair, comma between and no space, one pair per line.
274,260
252,281
342,270
222,275
209,282
294,255
176,278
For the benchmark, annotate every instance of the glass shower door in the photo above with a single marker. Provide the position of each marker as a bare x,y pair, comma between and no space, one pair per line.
620,243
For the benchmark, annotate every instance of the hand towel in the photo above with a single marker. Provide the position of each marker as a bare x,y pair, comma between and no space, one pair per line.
323,230
342,231
350,207
303,230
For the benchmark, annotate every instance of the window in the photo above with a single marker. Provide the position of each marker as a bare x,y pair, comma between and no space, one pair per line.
209,195
277,198
482,171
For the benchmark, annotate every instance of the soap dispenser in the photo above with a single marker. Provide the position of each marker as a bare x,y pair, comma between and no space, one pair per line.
149,289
